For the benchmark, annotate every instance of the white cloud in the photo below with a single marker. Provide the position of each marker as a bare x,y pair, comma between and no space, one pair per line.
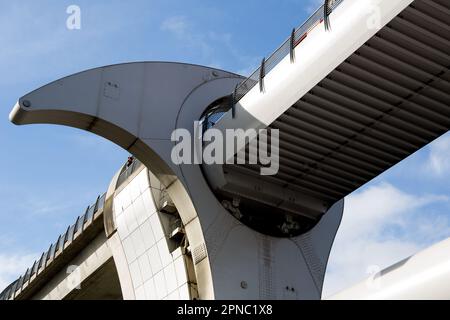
40,208
37,205
439,159
180,27
177,25
381,226
13,266
368,212
211,48
34,36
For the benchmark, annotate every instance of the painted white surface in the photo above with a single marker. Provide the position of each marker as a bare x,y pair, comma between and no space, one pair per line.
84,265
425,276
156,273
318,55
208,225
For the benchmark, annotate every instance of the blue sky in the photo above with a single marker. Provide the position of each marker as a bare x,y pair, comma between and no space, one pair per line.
51,174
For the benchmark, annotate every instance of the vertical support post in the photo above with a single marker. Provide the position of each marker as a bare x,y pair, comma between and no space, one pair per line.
292,46
233,102
326,14
262,74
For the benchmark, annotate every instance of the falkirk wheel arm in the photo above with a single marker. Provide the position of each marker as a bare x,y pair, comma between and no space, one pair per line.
138,106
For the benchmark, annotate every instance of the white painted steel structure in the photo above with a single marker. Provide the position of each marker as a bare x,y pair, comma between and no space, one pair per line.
350,103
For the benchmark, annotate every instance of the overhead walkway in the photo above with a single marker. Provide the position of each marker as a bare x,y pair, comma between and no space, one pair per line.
355,90
350,102
77,237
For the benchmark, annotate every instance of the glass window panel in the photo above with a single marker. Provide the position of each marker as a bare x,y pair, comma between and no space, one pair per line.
128,172
42,261
90,213
101,202
85,216
70,233
27,276
66,235
58,244
19,283
47,255
79,226
52,252
11,291
35,268
76,225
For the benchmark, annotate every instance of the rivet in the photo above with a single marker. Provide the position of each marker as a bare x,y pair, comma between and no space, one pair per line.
26,103
244,285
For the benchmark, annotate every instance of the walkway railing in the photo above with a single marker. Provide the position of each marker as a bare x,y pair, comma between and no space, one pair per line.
56,248
298,35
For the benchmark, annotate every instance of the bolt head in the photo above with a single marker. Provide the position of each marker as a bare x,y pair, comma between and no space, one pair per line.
26,103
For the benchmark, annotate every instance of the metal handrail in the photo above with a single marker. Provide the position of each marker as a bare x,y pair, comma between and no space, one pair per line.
58,246
285,49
